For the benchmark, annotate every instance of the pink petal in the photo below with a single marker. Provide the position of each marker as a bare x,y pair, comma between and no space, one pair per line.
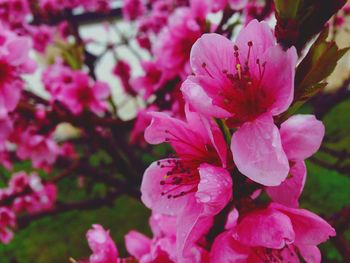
237,4
227,250
311,254
301,136
266,228
214,188
260,34
309,228
195,95
103,247
211,54
278,78
217,139
101,90
162,225
137,244
258,153
152,191
191,226
288,192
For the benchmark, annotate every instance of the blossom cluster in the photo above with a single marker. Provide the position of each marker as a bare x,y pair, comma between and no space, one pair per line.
25,193
219,96
231,139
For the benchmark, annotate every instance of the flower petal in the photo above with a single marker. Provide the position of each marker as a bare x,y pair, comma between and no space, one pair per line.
258,153
211,54
214,189
198,98
310,229
288,192
153,192
278,77
266,228
301,136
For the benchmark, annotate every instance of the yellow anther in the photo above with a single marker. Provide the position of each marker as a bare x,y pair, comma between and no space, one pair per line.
239,70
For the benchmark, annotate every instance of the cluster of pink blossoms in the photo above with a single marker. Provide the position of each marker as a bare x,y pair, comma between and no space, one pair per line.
230,146
25,193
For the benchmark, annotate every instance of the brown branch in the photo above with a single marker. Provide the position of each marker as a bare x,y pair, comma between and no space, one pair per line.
24,221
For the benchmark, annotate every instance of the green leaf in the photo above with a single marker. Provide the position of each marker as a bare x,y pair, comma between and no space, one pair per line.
287,9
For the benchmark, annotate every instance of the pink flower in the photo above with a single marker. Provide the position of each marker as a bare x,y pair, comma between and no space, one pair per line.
152,80
301,137
40,149
42,36
77,91
103,247
273,233
247,83
7,221
161,248
14,61
40,197
132,9
173,45
192,186
14,12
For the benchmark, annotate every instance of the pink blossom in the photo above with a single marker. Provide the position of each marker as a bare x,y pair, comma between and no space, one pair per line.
14,61
161,248
276,232
14,12
40,149
103,247
57,77
173,45
301,137
42,36
192,186
76,90
38,197
152,80
7,221
132,9
247,83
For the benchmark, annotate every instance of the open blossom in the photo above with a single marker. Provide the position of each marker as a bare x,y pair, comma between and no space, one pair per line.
75,89
301,137
174,42
247,83
42,36
273,234
42,150
14,61
153,79
192,186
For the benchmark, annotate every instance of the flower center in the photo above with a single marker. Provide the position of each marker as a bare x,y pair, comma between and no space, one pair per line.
241,92
181,178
